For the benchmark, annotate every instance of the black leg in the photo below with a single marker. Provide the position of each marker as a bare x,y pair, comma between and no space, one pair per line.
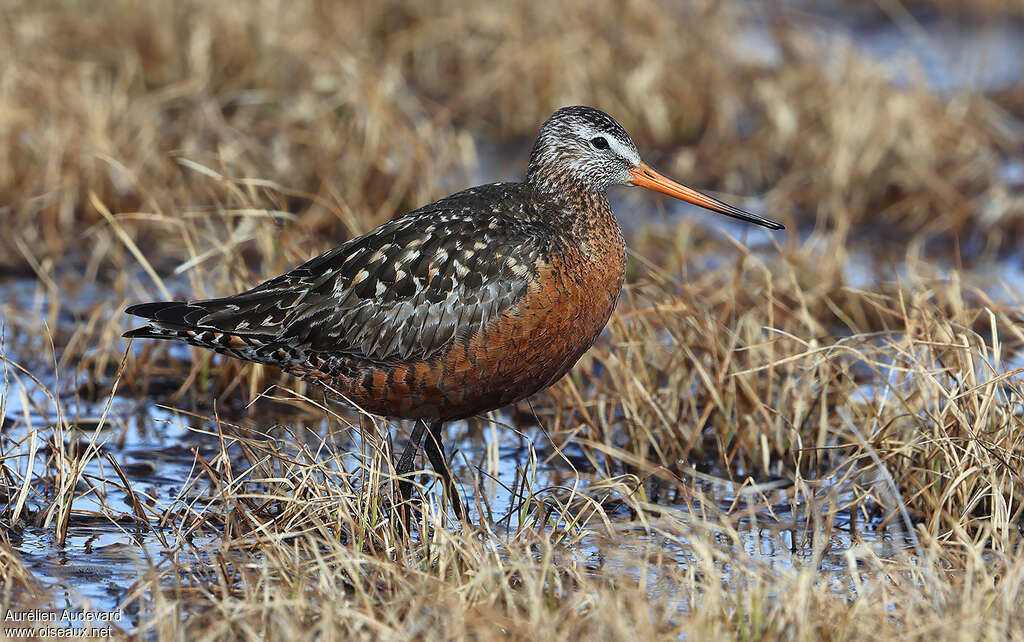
435,453
405,463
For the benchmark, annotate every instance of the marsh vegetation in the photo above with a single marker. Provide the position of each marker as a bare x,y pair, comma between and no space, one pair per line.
816,434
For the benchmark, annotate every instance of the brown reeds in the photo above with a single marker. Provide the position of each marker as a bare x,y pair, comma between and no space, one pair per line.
747,392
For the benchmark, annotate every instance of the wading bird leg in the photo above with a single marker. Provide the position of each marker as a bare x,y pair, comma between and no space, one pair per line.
405,463
435,452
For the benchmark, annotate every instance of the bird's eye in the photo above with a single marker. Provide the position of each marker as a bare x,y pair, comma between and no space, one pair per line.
599,142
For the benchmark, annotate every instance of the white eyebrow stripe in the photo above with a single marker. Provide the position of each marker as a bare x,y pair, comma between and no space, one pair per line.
616,145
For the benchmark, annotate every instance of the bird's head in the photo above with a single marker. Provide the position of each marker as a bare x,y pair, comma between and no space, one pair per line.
585,146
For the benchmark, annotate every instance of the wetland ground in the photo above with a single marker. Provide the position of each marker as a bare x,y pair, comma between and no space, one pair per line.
816,434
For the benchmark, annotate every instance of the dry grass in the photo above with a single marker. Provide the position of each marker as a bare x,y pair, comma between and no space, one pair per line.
196,147
345,117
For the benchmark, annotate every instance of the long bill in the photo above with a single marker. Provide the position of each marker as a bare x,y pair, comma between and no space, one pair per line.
645,176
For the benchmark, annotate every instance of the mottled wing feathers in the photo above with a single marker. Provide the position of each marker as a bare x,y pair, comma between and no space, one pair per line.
402,292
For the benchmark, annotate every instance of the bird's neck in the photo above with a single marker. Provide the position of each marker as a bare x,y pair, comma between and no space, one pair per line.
550,175
582,212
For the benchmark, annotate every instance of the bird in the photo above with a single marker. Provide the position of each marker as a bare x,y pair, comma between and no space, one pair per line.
463,306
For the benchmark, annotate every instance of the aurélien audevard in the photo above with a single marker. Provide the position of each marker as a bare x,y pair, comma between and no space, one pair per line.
64,615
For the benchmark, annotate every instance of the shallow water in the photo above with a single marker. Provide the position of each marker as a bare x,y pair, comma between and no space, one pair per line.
950,53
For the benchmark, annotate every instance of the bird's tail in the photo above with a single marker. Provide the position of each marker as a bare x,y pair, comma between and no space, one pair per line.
167,320
177,321
154,332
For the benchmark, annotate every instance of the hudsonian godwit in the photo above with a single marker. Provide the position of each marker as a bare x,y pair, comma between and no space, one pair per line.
459,307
